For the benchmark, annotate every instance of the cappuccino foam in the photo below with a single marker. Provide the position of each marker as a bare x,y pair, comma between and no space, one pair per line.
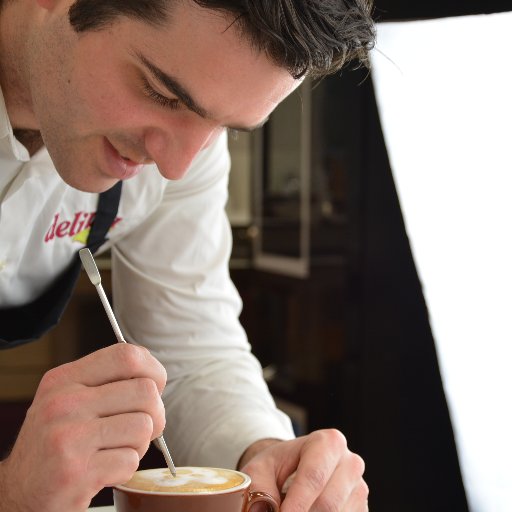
187,480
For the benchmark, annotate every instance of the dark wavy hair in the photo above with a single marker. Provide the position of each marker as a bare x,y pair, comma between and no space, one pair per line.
306,37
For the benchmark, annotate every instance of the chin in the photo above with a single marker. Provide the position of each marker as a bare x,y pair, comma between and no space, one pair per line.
92,186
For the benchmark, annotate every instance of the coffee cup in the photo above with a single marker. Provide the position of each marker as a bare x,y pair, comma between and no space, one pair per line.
194,489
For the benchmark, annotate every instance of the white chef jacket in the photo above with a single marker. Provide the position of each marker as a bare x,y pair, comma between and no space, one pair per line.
170,246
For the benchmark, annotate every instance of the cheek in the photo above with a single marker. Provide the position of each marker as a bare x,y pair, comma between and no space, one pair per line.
106,107
99,93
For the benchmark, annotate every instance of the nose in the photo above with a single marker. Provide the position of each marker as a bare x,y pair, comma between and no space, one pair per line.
173,148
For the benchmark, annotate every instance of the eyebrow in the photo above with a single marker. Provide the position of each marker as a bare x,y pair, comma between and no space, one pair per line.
175,88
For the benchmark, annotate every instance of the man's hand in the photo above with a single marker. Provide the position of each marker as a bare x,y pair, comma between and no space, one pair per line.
90,423
318,473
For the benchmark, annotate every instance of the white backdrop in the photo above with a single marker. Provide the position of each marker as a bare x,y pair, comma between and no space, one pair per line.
444,93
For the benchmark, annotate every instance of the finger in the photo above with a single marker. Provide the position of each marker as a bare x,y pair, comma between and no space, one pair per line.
287,483
358,499
117,362
133,430
112,467
104,469
85,403
264,482
264,478
134,395
342,485
319,458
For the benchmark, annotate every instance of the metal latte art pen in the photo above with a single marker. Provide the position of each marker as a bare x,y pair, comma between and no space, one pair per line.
94,275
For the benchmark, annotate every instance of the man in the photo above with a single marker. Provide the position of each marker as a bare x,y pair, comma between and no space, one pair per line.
142,92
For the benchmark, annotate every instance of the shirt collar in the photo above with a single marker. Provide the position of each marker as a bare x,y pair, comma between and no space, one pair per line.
9,146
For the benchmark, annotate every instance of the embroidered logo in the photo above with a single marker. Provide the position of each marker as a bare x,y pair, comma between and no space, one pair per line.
77,229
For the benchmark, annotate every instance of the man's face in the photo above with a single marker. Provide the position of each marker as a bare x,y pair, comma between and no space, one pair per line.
131,93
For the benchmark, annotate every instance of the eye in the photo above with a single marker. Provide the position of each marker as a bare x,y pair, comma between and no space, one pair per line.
171,103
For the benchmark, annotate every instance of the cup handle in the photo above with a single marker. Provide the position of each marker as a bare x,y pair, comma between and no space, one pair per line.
256,496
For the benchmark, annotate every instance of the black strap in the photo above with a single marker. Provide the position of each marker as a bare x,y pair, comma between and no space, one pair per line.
22,324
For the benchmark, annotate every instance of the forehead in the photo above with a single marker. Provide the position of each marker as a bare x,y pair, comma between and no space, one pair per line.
205,50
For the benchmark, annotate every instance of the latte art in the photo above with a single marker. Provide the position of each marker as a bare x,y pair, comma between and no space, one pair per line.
187,480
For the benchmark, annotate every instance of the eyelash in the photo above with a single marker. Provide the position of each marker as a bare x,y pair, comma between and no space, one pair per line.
171,103
174,104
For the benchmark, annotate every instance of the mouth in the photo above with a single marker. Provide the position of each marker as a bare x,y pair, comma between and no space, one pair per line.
119,166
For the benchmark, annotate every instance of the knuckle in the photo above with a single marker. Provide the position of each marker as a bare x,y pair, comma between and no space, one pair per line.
162,378
129,463
298,506
143,433
131,356
69,468
335,438
162,371
362,491
59,440
358,465
53,408
52,378
147,388
47,381
145,426
332,438
139,426
159,422
60,405
139,360
71,474
316,478
328,503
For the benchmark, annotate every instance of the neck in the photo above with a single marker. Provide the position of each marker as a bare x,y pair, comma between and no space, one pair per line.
31,139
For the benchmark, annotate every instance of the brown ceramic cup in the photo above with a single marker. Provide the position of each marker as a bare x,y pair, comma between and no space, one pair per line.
195,489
